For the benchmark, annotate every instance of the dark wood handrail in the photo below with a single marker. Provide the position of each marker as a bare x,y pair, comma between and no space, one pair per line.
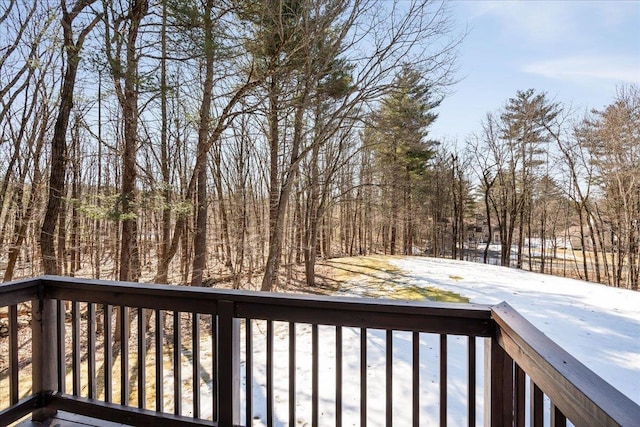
449,318
19,291
581,395
19,410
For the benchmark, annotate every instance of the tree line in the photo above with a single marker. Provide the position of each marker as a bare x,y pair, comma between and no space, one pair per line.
561,187
196,141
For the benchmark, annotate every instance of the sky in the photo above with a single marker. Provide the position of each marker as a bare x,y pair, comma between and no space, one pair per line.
577,51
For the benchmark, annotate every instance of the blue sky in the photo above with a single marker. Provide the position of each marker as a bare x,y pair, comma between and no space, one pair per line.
577,51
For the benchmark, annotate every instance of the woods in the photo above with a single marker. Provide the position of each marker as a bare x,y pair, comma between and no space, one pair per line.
564,189
194,142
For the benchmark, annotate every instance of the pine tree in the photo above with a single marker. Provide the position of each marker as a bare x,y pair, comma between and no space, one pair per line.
524,130
398,134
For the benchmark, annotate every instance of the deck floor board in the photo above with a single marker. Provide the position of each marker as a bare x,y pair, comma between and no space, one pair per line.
66,419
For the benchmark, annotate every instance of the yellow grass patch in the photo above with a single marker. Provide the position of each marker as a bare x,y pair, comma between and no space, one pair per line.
375,277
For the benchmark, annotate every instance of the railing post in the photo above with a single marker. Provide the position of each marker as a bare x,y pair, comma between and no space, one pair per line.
228,365
44,372
498,385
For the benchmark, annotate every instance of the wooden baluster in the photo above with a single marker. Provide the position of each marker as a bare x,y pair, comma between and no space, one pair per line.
389,378
314,374
61,356
195,363
471,387
292,374
228,347
177,364
557,417
142,358
443,380
214,364
498,385
76,355
338,376
269,361
124,355
249,371
415,378
159,337
363,377
519,396
13,354
108,355
91,349
536,408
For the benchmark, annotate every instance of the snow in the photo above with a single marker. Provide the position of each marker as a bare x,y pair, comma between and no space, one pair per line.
598,325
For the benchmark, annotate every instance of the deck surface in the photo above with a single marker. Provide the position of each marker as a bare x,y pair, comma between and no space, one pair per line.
66,419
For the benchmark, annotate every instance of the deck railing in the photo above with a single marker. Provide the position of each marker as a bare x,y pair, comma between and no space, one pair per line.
144,354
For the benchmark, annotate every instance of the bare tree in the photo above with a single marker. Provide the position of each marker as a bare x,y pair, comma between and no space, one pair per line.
484,168
29,139
72,49
612,138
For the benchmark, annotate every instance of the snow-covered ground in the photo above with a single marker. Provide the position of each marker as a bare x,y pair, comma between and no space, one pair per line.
598,325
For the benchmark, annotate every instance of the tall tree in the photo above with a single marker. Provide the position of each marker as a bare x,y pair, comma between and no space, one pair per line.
331,135
524,130
484,168
290,30
582,181
162,271
502,194
399,139
122,29
72,49
29,138
200,235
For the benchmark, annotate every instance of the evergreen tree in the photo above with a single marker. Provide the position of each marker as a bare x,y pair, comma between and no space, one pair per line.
525,121
399,139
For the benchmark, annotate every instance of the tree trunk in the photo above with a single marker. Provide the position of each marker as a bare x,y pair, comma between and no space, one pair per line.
270,278
393,221
162,274
485,255
222,206
311,221
128,99
583,243
279,199
200,235
520,238
59,156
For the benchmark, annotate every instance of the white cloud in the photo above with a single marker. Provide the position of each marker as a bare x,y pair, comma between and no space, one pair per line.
615,68
535,21
549,22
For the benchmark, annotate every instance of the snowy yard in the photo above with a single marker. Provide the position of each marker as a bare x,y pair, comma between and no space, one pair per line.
598,325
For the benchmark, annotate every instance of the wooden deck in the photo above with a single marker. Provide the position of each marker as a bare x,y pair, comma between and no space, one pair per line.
66,419
68,349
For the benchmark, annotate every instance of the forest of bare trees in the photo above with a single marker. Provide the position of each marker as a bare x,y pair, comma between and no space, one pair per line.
197,141
563,189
